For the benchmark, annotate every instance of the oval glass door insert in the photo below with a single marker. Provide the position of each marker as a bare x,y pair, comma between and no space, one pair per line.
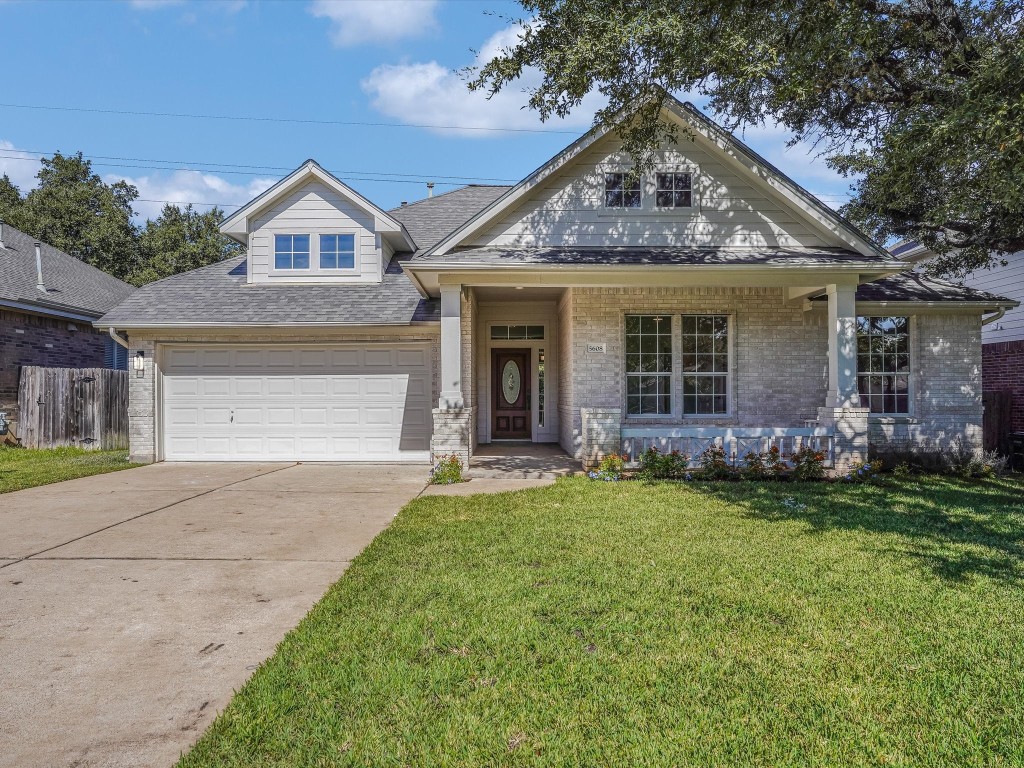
511,382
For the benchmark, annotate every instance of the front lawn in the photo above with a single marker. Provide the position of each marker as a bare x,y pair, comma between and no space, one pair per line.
627,624
23,468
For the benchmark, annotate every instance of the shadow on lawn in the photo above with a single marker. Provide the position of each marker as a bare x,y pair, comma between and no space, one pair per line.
958,529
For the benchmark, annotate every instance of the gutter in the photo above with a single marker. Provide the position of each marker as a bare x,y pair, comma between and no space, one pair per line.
130,326
997,315
119,339
52,310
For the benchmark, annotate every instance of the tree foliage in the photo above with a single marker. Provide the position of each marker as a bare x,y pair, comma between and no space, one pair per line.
73,209
181,239
919,102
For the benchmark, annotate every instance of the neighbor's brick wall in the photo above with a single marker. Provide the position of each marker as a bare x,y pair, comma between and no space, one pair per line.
1003,371
35,340
142,405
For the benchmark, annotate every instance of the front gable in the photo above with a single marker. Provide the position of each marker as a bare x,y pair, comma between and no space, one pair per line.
738,200
313,228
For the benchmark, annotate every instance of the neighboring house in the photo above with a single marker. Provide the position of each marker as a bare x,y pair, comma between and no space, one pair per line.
1002,336
48,302
713,298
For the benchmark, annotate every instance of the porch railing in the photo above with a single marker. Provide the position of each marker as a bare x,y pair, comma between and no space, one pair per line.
736,441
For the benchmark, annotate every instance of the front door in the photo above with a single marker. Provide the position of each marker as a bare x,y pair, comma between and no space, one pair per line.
510,396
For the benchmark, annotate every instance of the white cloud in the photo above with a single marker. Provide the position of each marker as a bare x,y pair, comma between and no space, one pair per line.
181,187
427,93
20,166
370,22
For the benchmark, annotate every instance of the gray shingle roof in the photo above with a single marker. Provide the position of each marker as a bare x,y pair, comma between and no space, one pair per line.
912,286
665,256
430,220
219,295
71,285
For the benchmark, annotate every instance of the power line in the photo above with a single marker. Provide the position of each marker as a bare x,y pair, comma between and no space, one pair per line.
198,165
294,120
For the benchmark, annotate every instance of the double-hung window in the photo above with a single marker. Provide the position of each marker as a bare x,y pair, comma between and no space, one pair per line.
705,349
337,251
883,363
673,190
648,365
621,190
291,251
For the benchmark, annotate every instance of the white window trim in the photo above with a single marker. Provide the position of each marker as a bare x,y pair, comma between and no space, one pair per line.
314,252
649,190
730,354
676,411
910,416
293,269
674,383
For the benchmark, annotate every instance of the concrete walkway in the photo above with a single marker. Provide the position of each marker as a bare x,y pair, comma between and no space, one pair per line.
133,604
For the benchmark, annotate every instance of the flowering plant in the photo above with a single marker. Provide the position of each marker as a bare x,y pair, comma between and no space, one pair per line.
808,464
447,470
610,468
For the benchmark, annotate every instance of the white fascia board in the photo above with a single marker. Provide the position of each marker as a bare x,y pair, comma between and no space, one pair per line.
133,326
428,278
236,225
953,306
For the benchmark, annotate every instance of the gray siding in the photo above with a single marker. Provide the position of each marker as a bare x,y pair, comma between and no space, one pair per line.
567,208
1005,281
314,209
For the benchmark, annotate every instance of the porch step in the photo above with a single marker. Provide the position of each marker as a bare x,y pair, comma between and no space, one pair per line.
482,473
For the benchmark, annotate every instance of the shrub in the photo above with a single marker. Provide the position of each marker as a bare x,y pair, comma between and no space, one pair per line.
763,466
448,470
808,464
610,468
863,472
655,465
962,460
714,464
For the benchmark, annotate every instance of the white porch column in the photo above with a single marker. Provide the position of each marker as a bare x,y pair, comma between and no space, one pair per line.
842,346
451,348
842,411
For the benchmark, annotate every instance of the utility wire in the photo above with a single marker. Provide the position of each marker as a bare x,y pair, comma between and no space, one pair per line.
303,121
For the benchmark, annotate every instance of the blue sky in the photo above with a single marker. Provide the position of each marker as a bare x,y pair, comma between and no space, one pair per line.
382,61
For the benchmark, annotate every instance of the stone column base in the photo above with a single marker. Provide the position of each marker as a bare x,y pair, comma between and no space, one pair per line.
453,434
851,434
602,434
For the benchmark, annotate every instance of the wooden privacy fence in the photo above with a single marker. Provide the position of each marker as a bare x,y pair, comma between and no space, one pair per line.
996,422
83,407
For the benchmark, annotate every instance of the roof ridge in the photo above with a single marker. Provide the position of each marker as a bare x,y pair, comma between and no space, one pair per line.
407,206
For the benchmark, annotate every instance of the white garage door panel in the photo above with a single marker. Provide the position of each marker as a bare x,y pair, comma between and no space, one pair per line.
365,403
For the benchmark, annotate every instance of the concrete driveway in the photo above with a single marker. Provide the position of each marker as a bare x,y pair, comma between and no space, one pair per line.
133,604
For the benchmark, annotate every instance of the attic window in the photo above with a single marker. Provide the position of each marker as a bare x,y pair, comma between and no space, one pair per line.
674,190
621,190
337,251
291,251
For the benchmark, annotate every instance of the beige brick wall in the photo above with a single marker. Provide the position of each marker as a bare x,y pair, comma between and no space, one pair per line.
946,386
768,388
779,363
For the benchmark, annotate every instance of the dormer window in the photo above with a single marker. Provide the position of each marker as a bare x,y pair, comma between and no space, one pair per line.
291,251
674,190
621,190
338,251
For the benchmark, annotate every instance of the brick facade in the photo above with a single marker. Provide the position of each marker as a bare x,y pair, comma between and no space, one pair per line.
27,339
778,365
1003,371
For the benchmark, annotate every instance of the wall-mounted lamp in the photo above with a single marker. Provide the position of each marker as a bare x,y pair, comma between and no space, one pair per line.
139,363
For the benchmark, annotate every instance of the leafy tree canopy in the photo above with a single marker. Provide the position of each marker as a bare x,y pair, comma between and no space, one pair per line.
73,209
919,102
182,239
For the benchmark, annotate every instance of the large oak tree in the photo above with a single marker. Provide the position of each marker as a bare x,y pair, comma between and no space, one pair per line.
919,102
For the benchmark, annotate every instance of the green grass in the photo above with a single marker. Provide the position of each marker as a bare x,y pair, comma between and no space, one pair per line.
22,468
627,624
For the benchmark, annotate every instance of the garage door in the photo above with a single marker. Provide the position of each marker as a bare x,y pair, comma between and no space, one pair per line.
296,403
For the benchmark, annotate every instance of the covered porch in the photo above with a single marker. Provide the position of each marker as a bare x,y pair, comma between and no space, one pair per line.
524,360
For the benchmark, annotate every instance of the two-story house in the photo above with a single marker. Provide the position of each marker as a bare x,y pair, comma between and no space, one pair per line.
710,299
